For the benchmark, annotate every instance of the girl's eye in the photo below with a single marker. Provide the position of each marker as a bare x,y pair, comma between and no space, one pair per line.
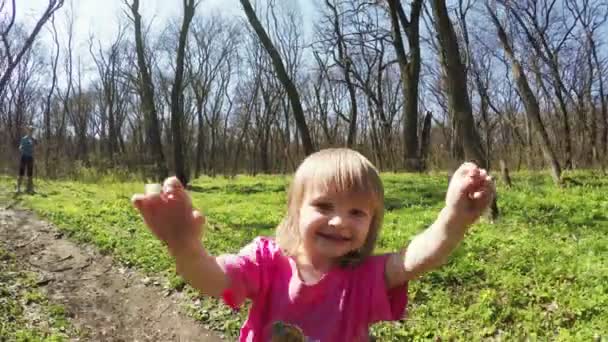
323,206
358,213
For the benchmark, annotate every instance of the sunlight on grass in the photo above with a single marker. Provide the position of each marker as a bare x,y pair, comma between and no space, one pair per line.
540,272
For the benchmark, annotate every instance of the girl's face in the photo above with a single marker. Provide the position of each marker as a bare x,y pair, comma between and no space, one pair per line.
332,224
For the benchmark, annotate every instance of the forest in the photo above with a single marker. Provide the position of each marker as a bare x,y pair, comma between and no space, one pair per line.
231,99
414,85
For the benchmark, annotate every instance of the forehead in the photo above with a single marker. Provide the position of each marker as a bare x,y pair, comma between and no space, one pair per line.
356,197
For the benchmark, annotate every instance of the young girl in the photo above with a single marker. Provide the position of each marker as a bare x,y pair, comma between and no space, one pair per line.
318,276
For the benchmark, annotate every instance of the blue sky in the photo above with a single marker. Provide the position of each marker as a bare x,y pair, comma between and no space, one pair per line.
100,17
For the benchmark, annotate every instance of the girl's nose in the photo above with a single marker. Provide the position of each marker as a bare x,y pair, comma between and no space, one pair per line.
335,221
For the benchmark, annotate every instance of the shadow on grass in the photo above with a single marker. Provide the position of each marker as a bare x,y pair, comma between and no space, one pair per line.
237,188
255,225
11,200
406,197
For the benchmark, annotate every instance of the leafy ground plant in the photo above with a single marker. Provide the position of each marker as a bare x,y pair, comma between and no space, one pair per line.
538,273
25,312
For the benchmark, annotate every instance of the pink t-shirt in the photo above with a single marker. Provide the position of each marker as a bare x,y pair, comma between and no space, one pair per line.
340,307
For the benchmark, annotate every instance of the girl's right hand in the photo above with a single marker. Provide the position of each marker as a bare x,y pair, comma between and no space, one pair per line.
170,216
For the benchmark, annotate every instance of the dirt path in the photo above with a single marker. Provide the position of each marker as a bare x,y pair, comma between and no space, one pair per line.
106,301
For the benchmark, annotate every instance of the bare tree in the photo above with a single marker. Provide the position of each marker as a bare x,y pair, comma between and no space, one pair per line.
21,94
5,27
334,40
480,74
592,15
213,49
229,107
290,88
535,19
456,80
177,106
458,96
66,94
80,114
529,99
146,91
320,101
247,109
108,68
410,74
266,118
47,108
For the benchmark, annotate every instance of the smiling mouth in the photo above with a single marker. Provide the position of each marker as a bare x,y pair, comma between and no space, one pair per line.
333,237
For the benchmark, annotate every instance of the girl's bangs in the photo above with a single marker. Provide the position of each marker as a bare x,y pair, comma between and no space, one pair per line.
349,175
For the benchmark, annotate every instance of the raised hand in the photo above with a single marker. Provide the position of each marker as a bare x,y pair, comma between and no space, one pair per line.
169,214
470,192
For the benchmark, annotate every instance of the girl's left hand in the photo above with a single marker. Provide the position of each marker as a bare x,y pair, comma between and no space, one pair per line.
170,216
470,192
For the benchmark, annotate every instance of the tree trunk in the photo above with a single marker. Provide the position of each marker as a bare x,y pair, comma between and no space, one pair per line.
264,125
47,108
177,105
567,130
530,102
200,137
290,88
603,102
425,141
587,100
505,173
410,74
560,89
457,93
345,63
11,62
110,91
146,92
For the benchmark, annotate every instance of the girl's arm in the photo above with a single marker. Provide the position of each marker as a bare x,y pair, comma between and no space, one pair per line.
200,269
171,218
469,194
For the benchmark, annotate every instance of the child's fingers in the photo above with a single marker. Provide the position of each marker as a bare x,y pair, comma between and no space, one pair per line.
466,168
480,179
143,203
472,183
138,200
483,173
491,184
172,184
474,172
174,190
199,219
492,190
478,195
485,194
481,188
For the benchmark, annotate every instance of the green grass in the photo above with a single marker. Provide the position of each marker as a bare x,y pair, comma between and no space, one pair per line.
25,312
540,272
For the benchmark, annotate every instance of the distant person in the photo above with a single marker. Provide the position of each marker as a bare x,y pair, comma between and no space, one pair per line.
318,280
26,163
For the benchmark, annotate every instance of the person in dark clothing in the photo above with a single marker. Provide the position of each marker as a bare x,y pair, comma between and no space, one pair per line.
26,149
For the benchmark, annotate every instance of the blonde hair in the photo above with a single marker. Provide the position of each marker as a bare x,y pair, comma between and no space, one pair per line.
340,170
